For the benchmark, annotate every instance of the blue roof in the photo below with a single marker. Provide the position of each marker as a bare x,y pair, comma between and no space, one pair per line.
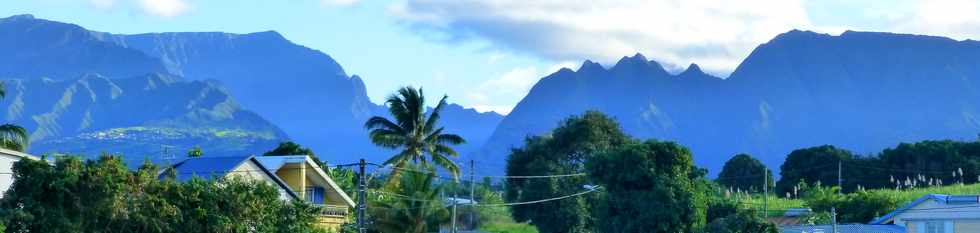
207,168
946,199
844,228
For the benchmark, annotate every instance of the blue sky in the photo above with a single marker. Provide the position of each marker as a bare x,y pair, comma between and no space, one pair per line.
488,53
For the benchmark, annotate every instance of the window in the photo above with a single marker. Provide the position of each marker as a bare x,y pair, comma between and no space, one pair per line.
315,195
936,227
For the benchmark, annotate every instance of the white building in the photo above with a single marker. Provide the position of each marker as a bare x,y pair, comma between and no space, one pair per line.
937,213
7,160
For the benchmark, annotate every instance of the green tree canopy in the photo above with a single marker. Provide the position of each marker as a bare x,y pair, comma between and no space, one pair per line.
814,164
649,188
195,152
564,151
419,138
289,148
104,196
743,172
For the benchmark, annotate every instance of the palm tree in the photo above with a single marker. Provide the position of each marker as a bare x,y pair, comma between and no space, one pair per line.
414,205
12,136
416,135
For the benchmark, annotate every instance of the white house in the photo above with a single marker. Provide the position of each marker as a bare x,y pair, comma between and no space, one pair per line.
7,160
937,213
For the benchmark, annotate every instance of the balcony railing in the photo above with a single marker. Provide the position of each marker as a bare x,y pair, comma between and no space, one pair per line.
333,210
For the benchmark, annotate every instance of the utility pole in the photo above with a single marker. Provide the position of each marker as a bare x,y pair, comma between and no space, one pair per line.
833,218
472,192
361,198
840,178
765,192
455,201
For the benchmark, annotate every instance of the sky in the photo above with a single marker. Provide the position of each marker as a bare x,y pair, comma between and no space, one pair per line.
487,54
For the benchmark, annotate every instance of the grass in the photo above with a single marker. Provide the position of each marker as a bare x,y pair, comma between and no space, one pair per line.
779,205
508,227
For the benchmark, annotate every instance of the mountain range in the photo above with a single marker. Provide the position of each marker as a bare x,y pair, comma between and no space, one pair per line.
863,91
82,91
300,90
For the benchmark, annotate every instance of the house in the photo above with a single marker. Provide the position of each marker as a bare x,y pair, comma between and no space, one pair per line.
937,213
7,160
843,228
296,177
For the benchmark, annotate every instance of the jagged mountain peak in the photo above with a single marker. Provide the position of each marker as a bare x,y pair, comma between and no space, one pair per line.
692,69
18,17
590,66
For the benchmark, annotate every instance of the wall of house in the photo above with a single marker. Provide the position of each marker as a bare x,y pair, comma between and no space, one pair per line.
295,177
967,225
252,171
6,173
911,227
7,160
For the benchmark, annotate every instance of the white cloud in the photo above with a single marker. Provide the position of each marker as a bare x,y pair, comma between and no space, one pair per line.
714,33
164,8
509,87
952,18
333,3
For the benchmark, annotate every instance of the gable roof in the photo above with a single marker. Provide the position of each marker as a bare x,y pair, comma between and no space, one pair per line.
18,154
211,168
941,198
274,163
844,228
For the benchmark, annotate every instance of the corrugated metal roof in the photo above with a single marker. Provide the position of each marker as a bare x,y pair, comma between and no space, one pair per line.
844,228
207,168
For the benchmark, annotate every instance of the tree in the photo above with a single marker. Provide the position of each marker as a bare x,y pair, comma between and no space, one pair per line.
814,164
564,151
649,188
415,134
12,136
195,152
289,148
743,172
742,221
414,206
292,148
104,196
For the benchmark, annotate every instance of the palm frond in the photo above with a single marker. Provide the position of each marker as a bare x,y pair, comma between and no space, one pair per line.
387,138
451,139
377,122
14,137
434,116
446,163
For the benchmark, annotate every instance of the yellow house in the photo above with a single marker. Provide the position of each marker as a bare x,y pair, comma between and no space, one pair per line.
312,183
297,177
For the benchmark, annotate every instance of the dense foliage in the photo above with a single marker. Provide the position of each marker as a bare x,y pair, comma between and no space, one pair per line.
743,172
743,221
856,207
413,206
815,164
289,148
104,196
650,187
565,151
908,165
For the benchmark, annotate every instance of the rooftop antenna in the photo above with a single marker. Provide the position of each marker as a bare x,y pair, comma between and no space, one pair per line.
167,156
